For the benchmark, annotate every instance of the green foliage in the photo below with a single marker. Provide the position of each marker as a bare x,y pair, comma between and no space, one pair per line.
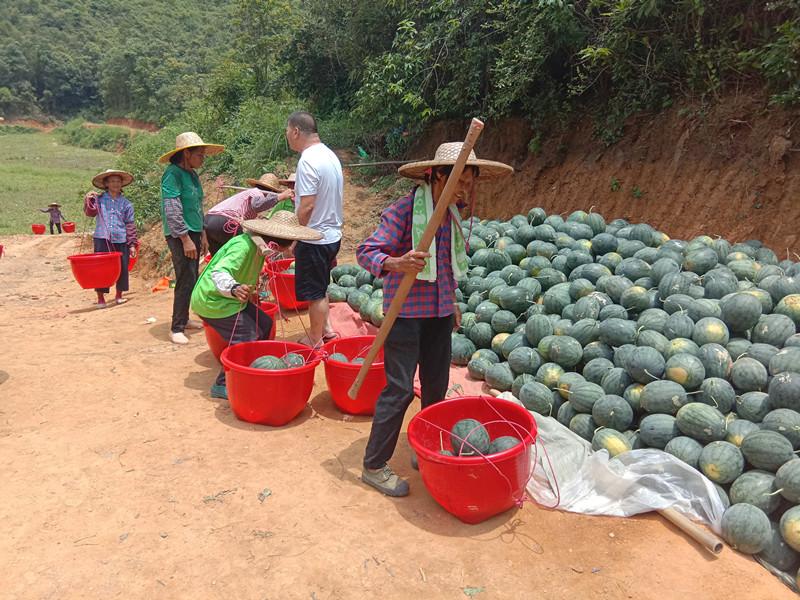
137,58
102,137
779,59
140,158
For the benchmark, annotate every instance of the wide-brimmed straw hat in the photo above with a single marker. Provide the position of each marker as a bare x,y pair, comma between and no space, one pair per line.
268,181
54,204
282,225
290,180
190,139
99,180
446,155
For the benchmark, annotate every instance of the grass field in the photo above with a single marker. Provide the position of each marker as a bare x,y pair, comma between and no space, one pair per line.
36,169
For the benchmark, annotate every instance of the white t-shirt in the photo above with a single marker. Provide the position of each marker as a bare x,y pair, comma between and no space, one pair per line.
320,172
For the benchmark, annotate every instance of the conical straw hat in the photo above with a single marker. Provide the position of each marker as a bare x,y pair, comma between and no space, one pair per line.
283,225
190,139
268,181
446,155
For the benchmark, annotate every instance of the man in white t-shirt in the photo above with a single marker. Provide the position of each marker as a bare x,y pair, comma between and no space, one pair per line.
319,191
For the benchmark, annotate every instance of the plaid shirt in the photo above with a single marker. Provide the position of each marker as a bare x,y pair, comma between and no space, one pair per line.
393,238
115,219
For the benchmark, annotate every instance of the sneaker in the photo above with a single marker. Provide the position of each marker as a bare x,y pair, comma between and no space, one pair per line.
178,337
100,305
219,391
385,481
414,463
121,300
192,324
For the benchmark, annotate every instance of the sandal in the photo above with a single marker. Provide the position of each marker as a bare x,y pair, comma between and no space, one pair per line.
330,336
305,341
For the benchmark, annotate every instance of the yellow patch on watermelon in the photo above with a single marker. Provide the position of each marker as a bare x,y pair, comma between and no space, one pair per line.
717,330
736,440
790,531
712,471
678,374
551,377
616,446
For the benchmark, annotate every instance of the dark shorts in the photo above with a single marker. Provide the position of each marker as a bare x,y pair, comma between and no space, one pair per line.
312,269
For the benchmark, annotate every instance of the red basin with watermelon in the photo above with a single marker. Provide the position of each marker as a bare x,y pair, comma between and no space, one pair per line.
268,397
474,488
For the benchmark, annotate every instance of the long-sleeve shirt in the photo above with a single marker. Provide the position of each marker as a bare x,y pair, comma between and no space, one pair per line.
246,204
114,219
55,214
393,238
182,201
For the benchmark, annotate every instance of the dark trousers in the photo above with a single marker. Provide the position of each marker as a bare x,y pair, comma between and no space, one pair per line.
410,342
215,226
248,325
185,277
101,245
58,226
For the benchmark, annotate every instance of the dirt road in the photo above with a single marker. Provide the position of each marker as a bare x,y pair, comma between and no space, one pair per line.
122,478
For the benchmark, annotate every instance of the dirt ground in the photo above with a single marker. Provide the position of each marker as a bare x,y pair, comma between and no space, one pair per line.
124,479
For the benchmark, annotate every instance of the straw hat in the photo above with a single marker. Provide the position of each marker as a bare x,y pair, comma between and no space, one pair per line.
54,204
190,139
99,180
290,181
446,155
268,181
283,225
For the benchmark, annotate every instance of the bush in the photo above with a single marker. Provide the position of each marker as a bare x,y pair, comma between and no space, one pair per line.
99,137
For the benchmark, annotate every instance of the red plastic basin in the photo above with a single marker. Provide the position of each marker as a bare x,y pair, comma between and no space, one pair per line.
473,488
96,270
132,260
68,227
267,397
340,376
215,342
37,228
282,284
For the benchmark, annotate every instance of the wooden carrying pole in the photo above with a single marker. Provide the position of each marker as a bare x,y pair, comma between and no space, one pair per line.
442,206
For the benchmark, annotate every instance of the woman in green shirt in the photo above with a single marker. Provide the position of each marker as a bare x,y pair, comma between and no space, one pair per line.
224,290
182,218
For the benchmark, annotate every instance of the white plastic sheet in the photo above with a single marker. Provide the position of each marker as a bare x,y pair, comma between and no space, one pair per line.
634,482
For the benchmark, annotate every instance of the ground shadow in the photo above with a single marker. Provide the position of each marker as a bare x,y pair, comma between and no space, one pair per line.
200,380
346,464
225,415
323,404
4,377
208,360
419,508
160,331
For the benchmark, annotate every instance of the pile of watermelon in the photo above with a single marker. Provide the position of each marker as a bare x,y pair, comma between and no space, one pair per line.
362,292
634,340
269,362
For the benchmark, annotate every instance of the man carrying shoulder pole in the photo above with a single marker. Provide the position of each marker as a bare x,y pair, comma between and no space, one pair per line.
421,334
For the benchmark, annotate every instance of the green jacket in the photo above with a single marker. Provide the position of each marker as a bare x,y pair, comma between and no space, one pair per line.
239,258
